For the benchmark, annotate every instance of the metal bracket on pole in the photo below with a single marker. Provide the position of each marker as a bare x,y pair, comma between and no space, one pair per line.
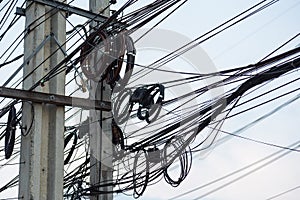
65,53
20,11
72,10
27,60
59,100
58,44
41,45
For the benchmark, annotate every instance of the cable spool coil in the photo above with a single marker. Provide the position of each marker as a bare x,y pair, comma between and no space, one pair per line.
10,132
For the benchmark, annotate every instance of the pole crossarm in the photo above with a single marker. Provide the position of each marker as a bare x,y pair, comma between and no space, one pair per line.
72,10
55,99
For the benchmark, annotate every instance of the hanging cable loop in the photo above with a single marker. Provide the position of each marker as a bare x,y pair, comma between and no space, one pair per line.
118,83
121,106
140,179
173,150
149,109
10,132
108,53
98,50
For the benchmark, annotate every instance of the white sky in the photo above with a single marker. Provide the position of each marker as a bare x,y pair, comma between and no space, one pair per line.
241,45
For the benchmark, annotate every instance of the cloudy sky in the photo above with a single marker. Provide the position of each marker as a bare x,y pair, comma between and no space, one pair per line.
262,171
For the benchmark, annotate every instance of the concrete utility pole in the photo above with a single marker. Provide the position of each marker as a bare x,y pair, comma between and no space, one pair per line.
100,133
42,153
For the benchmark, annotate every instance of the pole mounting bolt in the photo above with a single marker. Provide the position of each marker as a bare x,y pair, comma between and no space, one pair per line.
52,97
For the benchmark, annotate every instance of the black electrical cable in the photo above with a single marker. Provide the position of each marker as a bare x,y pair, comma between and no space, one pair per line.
8,28
7,13
108,21
28,129
10,184
12,23
36,85
194,112
283,193
259,141
11,61
259,65
15,72
118,136
74,52
164,18
243,176
67,140
280,47
99,67
188,46
147,14
121,115
26,32
117,82
145,97
292,146
265,93
265,102
254,81
1,9
211,36
75,29
18,70
137,176
10,132
183,159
